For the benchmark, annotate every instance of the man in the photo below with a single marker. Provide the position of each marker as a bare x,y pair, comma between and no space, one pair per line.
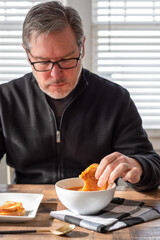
60,118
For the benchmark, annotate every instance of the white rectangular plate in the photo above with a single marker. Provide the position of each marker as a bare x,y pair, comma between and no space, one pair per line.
30,202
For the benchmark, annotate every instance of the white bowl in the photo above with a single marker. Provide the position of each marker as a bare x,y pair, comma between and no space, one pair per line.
83,202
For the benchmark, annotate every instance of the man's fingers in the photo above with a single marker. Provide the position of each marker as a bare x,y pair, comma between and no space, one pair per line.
105,162
112,172
132,176
120,170
104,177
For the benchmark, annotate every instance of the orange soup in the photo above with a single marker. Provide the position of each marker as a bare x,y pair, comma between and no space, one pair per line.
75,188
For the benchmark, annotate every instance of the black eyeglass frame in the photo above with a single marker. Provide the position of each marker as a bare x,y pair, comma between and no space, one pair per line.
57,62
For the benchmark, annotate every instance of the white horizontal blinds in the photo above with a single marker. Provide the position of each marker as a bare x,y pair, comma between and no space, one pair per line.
126,49
13,61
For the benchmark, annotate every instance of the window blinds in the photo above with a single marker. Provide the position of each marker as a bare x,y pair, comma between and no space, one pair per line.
126,50
13,61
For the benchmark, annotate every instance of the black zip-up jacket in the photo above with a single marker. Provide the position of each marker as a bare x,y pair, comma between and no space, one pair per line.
101,119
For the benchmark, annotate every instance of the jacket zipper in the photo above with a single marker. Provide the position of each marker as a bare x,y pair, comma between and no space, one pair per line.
58,140
58,136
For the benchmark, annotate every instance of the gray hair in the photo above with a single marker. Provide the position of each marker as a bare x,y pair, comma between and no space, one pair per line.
51,17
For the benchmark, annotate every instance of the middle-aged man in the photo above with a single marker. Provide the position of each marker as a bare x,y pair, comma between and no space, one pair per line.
57,120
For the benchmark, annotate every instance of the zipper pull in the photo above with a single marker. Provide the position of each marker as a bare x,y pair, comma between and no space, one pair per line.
58,136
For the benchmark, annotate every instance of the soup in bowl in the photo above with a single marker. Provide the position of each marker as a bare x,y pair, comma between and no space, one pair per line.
83,202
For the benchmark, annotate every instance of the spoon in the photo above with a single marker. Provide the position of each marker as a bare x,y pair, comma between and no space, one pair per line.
59,231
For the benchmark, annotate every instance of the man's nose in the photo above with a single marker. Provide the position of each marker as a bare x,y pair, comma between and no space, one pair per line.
56,72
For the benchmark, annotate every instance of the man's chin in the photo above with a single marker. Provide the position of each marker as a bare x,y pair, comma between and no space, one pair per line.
57,95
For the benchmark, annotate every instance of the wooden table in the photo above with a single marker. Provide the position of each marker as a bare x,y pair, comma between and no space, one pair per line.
144,231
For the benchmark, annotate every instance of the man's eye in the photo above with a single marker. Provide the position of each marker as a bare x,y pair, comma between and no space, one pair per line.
44,63
67,60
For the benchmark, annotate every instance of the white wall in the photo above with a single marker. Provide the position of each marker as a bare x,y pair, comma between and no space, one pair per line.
154,137
3,171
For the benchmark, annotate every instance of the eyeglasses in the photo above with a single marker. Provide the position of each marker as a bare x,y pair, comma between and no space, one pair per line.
44,66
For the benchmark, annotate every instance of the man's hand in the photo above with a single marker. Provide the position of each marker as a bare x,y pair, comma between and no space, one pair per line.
117,165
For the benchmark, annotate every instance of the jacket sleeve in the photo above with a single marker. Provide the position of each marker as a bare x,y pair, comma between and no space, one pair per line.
2,144
131,140
2,147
